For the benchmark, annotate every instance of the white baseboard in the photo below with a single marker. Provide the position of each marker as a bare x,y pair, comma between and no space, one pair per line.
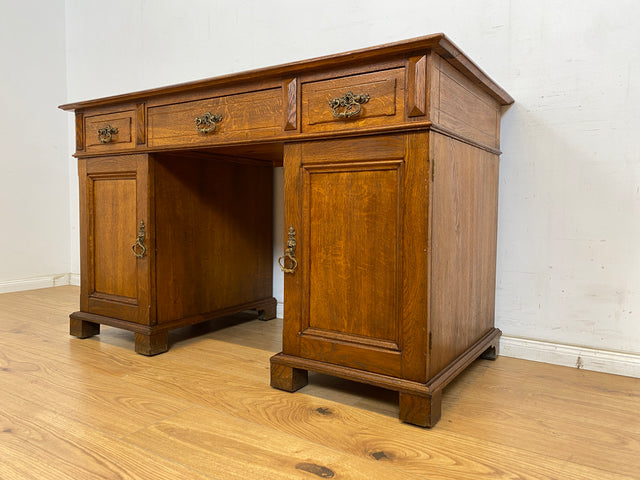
618,363
40,282
280,310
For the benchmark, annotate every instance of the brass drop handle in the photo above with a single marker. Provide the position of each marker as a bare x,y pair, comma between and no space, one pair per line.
207,122
349,105
105,134
289,253
138,248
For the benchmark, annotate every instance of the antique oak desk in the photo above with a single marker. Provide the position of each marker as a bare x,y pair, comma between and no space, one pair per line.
390,159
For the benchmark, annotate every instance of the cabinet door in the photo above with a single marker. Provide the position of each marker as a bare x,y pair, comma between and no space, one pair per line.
358,297
115,194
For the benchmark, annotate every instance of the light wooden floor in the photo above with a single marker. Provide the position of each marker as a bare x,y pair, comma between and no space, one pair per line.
92,409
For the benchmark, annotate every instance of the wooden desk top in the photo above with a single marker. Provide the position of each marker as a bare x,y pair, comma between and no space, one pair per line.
437,42
421,83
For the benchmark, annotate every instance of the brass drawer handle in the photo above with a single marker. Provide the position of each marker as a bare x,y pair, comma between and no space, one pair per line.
140,242
349,105
289,253
105,134
207,122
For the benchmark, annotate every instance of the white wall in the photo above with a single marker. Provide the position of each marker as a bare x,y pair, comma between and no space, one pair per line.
34,180
569,239
569,236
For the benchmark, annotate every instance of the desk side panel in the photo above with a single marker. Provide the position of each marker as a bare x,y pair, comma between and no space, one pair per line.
464,225
462,107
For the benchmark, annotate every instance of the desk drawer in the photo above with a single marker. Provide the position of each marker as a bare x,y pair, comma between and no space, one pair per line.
110,132
245,116
365,100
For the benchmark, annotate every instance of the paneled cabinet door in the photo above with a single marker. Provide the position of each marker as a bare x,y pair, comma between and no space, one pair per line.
116,237
357,296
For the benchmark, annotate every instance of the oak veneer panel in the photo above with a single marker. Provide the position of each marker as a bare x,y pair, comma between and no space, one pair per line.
464,223
124,139
354,289
463,107
214,241
114,213
252,115
385,105
359,149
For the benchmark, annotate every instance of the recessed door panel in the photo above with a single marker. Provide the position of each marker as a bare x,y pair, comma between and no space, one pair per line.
352,232
114,202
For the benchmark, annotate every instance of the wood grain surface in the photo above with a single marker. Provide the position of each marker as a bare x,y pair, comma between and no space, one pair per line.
93,409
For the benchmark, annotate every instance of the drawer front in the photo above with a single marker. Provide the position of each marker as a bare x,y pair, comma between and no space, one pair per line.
377,99
245,116
110,132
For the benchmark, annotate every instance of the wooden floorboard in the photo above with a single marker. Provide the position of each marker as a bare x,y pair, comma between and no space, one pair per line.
85,409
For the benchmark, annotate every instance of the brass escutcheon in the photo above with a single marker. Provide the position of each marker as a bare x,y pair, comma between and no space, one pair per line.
207,122
349,103
140,242
289,253
105,134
